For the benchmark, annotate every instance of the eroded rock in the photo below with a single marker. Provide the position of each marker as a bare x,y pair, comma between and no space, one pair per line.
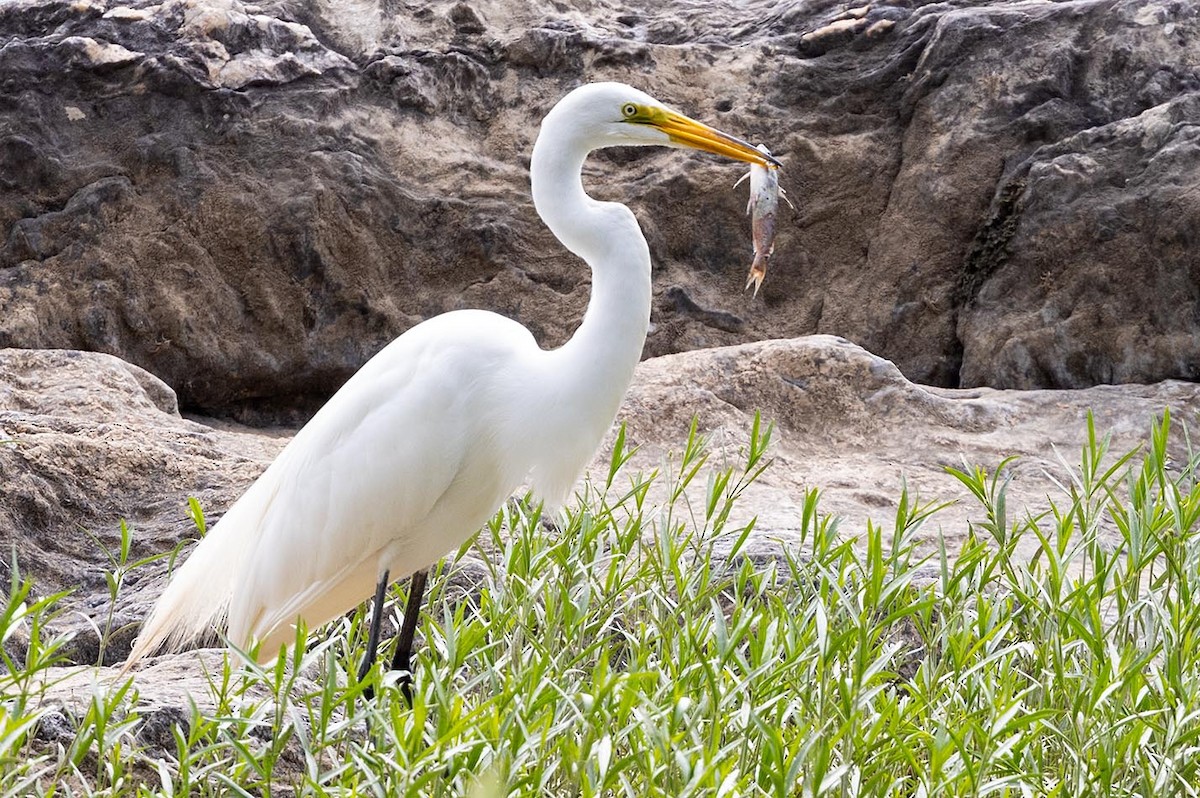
89,441
1092,274
249,201
852,426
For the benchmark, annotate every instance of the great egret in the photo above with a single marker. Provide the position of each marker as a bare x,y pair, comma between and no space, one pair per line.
423,444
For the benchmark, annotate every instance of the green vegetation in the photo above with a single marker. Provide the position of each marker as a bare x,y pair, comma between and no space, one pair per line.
638,650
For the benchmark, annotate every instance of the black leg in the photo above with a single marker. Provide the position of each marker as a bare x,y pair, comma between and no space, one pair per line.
373,634
408,629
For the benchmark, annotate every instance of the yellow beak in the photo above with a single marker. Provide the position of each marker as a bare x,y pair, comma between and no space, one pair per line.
688,132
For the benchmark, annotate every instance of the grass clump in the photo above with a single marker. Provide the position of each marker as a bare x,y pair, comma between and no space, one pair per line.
636,646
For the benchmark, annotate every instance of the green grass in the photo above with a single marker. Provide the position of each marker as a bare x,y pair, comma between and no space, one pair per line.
636,648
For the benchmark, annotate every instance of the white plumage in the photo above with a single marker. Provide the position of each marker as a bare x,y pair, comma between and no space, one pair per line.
424,443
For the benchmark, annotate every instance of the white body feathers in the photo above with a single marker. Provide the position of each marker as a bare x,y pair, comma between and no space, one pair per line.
421,446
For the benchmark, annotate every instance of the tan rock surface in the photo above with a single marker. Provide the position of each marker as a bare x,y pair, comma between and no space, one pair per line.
93,440
849,424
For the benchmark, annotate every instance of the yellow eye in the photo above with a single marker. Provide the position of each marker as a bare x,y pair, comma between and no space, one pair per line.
629,110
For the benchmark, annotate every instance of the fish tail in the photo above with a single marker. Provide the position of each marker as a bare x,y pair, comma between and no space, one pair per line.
758,270
756,281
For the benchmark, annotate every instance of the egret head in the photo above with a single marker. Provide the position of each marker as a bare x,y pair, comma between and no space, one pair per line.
616,115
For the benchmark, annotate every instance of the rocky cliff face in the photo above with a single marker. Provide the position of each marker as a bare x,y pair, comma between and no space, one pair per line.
249,200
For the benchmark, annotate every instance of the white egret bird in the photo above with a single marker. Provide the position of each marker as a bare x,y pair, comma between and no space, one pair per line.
421,446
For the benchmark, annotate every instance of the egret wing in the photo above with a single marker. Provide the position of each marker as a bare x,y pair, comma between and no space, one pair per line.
357,488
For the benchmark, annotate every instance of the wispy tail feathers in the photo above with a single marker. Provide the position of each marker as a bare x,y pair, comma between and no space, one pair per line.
198,596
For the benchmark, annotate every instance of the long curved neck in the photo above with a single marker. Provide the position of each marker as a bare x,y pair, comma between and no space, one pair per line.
593,369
